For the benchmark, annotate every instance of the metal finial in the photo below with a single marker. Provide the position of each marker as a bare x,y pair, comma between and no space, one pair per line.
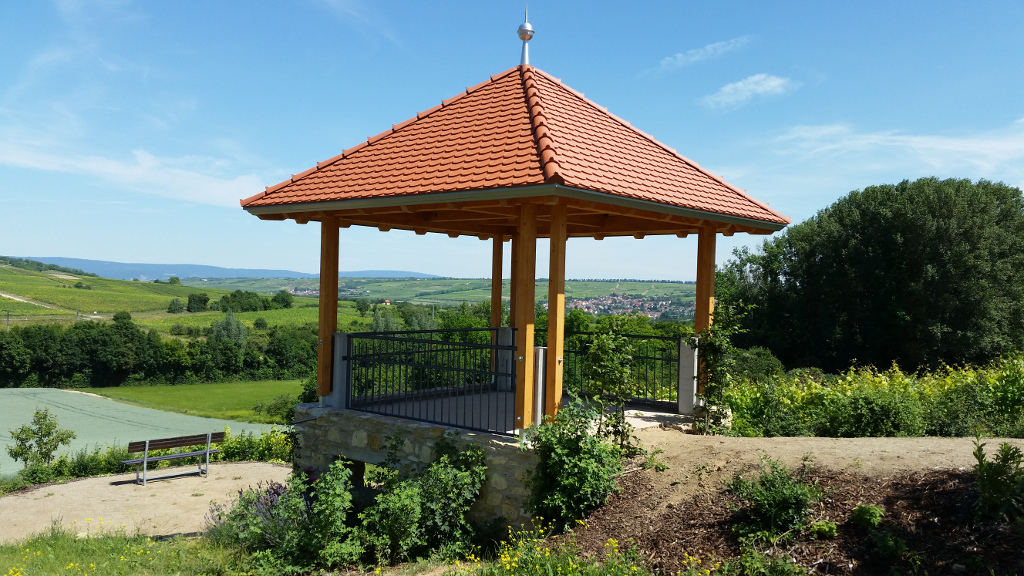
525,32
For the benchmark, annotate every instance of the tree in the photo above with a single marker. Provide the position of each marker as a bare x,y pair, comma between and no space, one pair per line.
174,281
36,444
176,306
197,302
362,306
917,273
383,321
15,358
283,299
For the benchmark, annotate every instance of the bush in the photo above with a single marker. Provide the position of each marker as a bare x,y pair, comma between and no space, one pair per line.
36,444
778,501
280,410
959,410
176,306
292,527
871,412
1000,482
270,446
391,528
449,487
575,471
756,364
867,516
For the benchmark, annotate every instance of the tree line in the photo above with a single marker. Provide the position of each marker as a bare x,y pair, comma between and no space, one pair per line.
94,354
917,274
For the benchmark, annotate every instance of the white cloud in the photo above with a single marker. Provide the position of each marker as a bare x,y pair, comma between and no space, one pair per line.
739,93
363,17
695,55
190,179
995,154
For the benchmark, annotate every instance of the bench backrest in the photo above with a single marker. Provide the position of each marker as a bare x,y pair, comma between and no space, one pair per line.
176,442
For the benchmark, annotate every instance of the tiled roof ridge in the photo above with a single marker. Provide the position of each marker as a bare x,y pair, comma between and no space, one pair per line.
373,139
655,141
546,152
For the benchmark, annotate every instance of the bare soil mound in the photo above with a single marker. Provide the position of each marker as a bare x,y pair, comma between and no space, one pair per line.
925,486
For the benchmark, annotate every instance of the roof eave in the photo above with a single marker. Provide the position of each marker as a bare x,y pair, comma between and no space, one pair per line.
524,192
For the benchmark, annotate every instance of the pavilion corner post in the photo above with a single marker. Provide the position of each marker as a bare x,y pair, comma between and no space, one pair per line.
328,321
496,262
705,305
556,312
525,277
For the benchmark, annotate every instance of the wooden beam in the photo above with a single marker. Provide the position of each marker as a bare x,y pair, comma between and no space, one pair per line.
328,322
513,280
526,278
556,313
705,305
496,261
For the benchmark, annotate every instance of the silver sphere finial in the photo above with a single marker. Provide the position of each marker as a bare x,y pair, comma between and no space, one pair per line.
525,32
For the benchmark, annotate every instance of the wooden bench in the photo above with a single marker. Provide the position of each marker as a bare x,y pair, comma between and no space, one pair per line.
145,446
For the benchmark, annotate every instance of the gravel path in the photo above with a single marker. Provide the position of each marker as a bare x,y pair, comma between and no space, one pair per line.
162,507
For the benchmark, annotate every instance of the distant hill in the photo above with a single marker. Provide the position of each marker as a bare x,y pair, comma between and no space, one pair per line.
149,272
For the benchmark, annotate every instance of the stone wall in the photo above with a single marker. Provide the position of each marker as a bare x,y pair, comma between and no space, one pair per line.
333,433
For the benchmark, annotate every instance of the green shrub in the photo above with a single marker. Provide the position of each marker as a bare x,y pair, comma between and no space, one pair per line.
867,516
285,527
767,414
273,445
778,501
391,528
529,551
37,473
959,410
1000,482
867,411
576,472
280,410
823,530
754,563
449,487
756,364
37,443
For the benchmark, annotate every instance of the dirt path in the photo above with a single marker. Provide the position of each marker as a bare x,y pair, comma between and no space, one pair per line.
162,507
697,463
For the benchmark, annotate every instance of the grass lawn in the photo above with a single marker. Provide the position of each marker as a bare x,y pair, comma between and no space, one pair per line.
228,401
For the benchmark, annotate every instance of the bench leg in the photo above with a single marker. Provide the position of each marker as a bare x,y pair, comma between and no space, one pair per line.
145,462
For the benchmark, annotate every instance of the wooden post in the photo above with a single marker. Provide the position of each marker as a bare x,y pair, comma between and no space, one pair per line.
705,305
496,261
525,254
514,280
556,312
328,323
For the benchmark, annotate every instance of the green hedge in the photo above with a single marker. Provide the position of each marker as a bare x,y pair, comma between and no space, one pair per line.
868,402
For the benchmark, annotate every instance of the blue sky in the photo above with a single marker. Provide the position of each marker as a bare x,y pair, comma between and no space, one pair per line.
129,130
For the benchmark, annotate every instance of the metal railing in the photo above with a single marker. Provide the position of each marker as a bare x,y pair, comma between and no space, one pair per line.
463,378
654,368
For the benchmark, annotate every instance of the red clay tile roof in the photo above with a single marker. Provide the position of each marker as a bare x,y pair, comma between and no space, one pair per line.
520,128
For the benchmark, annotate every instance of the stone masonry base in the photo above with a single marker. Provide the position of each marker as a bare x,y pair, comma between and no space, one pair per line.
333,433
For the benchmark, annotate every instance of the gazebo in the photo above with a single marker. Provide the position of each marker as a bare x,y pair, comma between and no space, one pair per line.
515,158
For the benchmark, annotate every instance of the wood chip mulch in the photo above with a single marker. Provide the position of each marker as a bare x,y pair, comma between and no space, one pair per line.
931,512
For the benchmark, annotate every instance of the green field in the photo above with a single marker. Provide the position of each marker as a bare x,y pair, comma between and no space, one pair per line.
448,291
147,301
301,314
17,308
226,401
103,295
